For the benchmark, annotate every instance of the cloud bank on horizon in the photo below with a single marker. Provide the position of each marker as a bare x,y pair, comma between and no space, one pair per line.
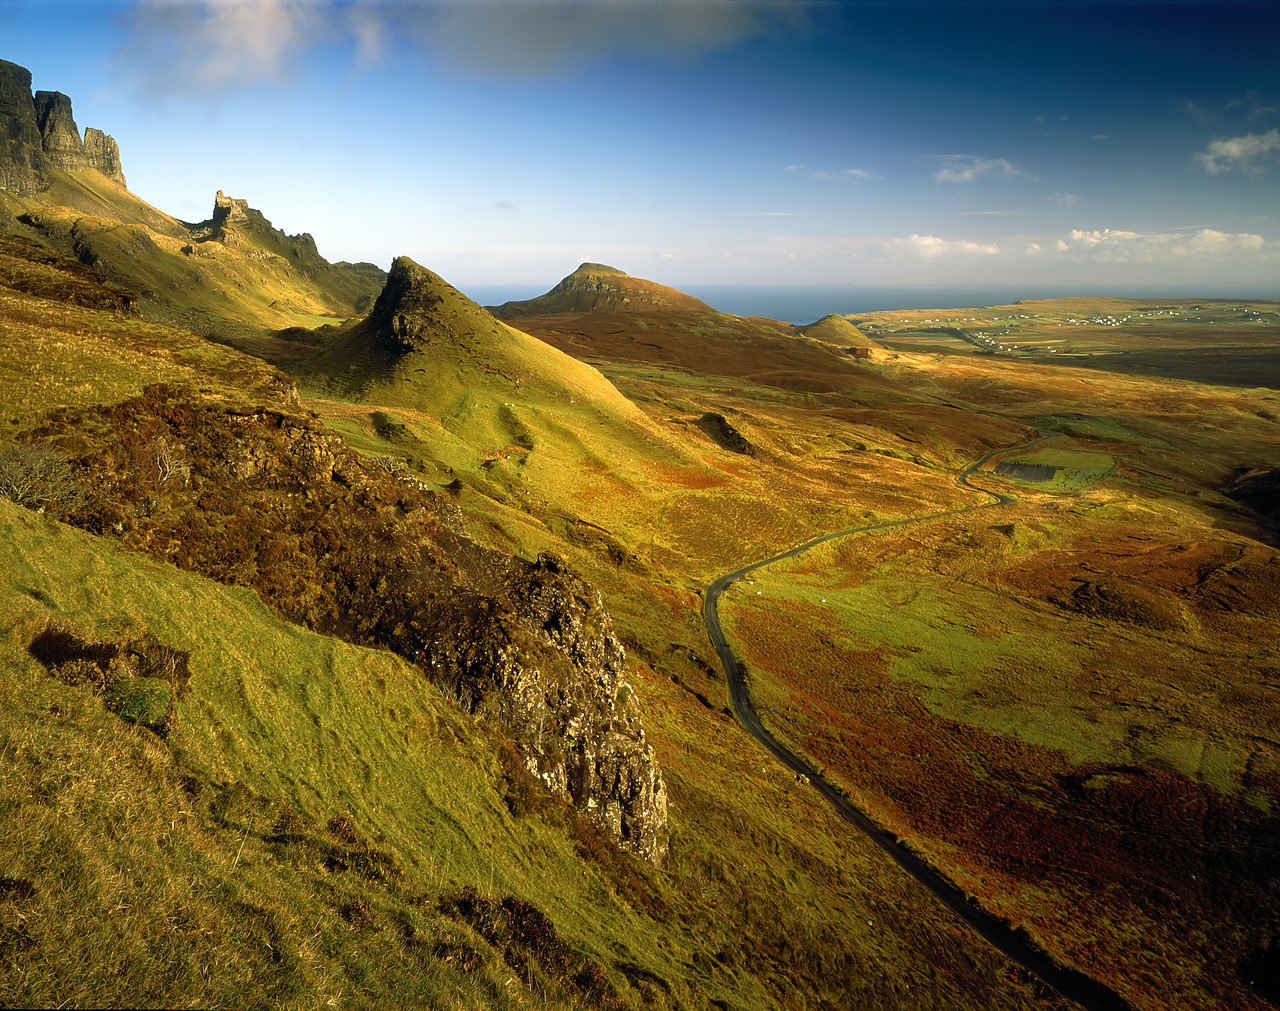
727,141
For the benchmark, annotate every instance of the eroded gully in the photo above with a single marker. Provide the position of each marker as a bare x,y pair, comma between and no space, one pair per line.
1013,942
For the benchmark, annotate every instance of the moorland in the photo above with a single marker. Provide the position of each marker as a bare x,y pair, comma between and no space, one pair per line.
354,653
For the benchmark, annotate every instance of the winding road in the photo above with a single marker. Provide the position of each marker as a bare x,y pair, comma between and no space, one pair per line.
1013,942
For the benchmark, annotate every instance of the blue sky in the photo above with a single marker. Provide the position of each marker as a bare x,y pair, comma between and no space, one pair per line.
1087,145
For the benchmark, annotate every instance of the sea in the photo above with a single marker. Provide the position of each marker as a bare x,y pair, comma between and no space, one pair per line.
806,303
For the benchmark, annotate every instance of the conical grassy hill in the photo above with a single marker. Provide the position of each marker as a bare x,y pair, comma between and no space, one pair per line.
836,329
596,287
477,399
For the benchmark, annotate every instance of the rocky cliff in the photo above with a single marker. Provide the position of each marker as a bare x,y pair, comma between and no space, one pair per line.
596,287
101,152
23,166
38,133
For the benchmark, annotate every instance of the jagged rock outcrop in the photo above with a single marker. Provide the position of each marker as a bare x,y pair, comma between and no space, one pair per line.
403,309
596,287
233,221
274,501
59,135
23,166
570,708
38,133
101,152
235,225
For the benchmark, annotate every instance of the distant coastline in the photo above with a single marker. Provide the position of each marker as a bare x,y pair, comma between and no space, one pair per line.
805,303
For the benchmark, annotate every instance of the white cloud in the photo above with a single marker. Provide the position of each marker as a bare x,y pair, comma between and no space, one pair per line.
1108,245
533,37
967,168
931,247
192,45
1249,153
178,46
846,175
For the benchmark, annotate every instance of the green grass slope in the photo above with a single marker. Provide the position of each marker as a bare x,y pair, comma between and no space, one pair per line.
90,192
834,329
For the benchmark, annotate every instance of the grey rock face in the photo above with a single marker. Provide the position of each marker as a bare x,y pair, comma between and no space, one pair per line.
38,133
546,667
23,167
101,152
59,135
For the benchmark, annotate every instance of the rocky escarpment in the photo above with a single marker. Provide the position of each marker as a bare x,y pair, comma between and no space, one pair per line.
235,225
271,500
595,287
38,133
101,152
23,166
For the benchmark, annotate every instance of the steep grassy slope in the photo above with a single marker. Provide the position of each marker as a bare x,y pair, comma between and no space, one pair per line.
90,192
306,829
